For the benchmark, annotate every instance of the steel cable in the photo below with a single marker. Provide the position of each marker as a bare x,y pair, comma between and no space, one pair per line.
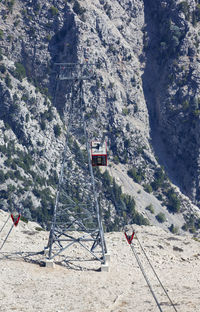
156,274
146,278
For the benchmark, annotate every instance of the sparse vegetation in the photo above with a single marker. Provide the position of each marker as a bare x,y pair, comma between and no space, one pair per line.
53,10
150,208
148,188
174,229
47,115
192,224
20,71
39,229
173,202
116,159
124,204
2,68
48,38
184,7
23,219
1,34
2,177
78,9
57,130
159,179
125,111
8,81
161,217
136,174
1,56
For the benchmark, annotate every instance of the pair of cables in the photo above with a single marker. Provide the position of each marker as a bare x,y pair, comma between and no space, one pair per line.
129,240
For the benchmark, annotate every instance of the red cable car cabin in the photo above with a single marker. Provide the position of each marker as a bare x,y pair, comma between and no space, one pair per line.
99,153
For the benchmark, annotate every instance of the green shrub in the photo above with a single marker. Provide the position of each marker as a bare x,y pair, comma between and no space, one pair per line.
116,159
2,68
197,13
18,175
2,177
78,9
53,10
48,114
20,71
8,81
3,149
57,130
43,125
196,113
186,104
1,34
125,111
4,194
48,38
10,188
173,202
1,56
192,230
23,219
27,118
107,179
161,217
148,188
43,167
174,229
185,227
140,220
136,174
53,179
25,97
159,178
150,208
10,174
10,4
27,203
39,229
127,143
184,7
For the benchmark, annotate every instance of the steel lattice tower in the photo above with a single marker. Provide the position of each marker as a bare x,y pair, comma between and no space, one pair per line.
76,222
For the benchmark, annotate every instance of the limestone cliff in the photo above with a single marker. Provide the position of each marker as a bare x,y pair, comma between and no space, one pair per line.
143,100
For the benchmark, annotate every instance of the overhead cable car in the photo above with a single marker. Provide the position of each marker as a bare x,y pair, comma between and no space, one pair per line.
99,153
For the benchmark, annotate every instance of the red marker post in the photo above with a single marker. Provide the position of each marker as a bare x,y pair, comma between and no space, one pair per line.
15,219
129,237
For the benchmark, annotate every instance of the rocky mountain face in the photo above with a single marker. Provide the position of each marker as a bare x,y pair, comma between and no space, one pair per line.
171,80
142,99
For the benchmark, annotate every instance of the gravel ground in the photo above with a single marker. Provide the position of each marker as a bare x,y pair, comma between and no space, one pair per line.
26,285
